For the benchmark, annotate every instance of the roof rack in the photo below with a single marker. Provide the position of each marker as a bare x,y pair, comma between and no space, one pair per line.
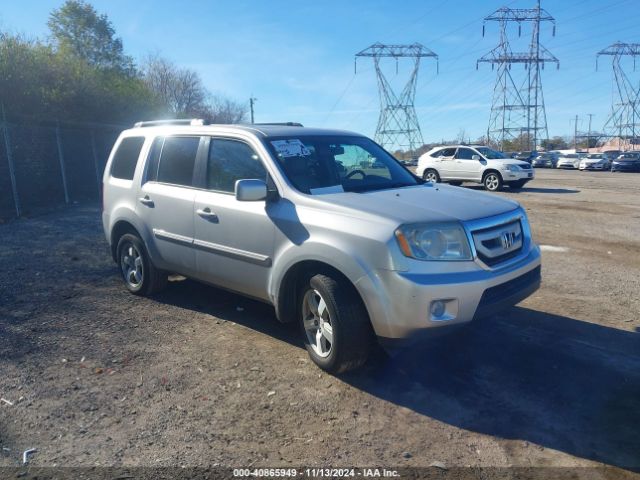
196,122
281,124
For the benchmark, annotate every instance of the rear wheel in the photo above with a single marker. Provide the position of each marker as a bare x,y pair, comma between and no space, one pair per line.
430,175
492,181
140,276
336,329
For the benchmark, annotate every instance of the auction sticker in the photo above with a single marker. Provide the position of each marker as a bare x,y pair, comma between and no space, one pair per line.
290,148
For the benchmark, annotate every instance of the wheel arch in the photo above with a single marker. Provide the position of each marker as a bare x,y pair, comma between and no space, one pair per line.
120,228
491,170
287,294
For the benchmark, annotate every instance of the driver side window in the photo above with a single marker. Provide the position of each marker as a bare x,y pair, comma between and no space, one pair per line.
464,154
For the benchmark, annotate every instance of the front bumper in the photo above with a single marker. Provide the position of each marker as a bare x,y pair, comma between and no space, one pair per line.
543,164
569,166
509,176
593,166
625,167
404,299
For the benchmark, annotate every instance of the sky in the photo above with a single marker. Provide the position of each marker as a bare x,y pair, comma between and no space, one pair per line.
297,57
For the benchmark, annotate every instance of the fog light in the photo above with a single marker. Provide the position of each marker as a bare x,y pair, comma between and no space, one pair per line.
437,308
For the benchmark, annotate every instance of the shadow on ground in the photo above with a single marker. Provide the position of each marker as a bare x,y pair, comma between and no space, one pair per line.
555,381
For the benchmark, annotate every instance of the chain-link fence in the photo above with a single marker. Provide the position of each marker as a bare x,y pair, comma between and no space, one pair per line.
46,165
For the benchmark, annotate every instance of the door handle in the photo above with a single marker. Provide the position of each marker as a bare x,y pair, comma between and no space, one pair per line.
146,201
207,214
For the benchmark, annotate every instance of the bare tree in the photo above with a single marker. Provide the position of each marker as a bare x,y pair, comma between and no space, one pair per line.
225,110
182,92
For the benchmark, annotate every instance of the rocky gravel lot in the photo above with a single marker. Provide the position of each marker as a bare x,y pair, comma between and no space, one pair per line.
195,376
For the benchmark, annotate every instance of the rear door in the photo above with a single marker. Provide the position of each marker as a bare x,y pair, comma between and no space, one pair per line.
166,199
234,240
446,167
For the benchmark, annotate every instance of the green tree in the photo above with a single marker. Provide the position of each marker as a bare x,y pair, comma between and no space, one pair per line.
78,29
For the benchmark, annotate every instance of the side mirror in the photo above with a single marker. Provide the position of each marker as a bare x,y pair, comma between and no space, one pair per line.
475,157
251,190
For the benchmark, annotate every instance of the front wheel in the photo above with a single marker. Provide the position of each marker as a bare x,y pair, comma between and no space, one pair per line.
335,325
492,181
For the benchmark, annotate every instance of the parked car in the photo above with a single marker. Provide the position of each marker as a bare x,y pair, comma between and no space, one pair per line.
545,160
473,163
350,254
569,161
627,162
526,156
595,161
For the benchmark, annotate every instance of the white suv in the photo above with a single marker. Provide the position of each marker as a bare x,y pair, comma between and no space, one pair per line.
473,163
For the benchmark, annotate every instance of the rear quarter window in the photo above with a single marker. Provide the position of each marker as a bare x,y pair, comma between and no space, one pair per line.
126,158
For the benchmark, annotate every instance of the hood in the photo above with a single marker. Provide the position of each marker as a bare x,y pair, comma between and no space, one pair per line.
512,161
422,203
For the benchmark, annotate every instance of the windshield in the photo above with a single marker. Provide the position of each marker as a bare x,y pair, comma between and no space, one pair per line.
571,155
490,154
594,155
331,164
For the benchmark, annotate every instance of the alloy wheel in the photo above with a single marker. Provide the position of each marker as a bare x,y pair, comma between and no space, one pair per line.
317,323
131,265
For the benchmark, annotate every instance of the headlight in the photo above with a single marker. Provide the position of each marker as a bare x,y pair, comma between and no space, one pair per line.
440,241
512,168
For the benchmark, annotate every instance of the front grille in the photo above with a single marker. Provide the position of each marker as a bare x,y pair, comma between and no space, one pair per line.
506,290
499,243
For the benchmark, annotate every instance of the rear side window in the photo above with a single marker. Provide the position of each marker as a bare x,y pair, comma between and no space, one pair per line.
126,158
177,158
231,160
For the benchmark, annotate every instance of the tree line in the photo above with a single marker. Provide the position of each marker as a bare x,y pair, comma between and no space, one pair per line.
81,74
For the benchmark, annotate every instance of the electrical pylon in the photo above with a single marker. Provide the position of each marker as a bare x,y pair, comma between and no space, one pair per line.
517,107
398,124
624,120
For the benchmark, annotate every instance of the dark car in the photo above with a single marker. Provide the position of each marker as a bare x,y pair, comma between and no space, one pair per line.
627,162
526,156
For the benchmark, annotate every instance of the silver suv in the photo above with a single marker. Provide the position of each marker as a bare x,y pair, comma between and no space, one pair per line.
473,163
324,225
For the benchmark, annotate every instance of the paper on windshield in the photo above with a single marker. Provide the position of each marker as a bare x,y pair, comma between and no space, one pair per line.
290,148
326,190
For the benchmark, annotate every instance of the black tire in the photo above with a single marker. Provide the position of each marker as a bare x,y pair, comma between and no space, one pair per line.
430,172
492,181
352,332
152,279
517,185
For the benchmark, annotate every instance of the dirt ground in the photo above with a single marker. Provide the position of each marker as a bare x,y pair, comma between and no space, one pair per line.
197,376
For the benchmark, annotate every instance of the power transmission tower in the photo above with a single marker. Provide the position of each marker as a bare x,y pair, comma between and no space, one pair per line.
398,124
517,108
624,121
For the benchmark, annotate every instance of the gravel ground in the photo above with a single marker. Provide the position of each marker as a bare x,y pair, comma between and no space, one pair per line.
198,376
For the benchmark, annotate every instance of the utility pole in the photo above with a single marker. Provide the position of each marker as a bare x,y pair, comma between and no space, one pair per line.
517,108
252,101
398,124
589,133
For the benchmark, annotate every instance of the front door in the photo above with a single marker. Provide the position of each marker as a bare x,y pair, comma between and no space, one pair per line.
467,168
233,240
166,200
